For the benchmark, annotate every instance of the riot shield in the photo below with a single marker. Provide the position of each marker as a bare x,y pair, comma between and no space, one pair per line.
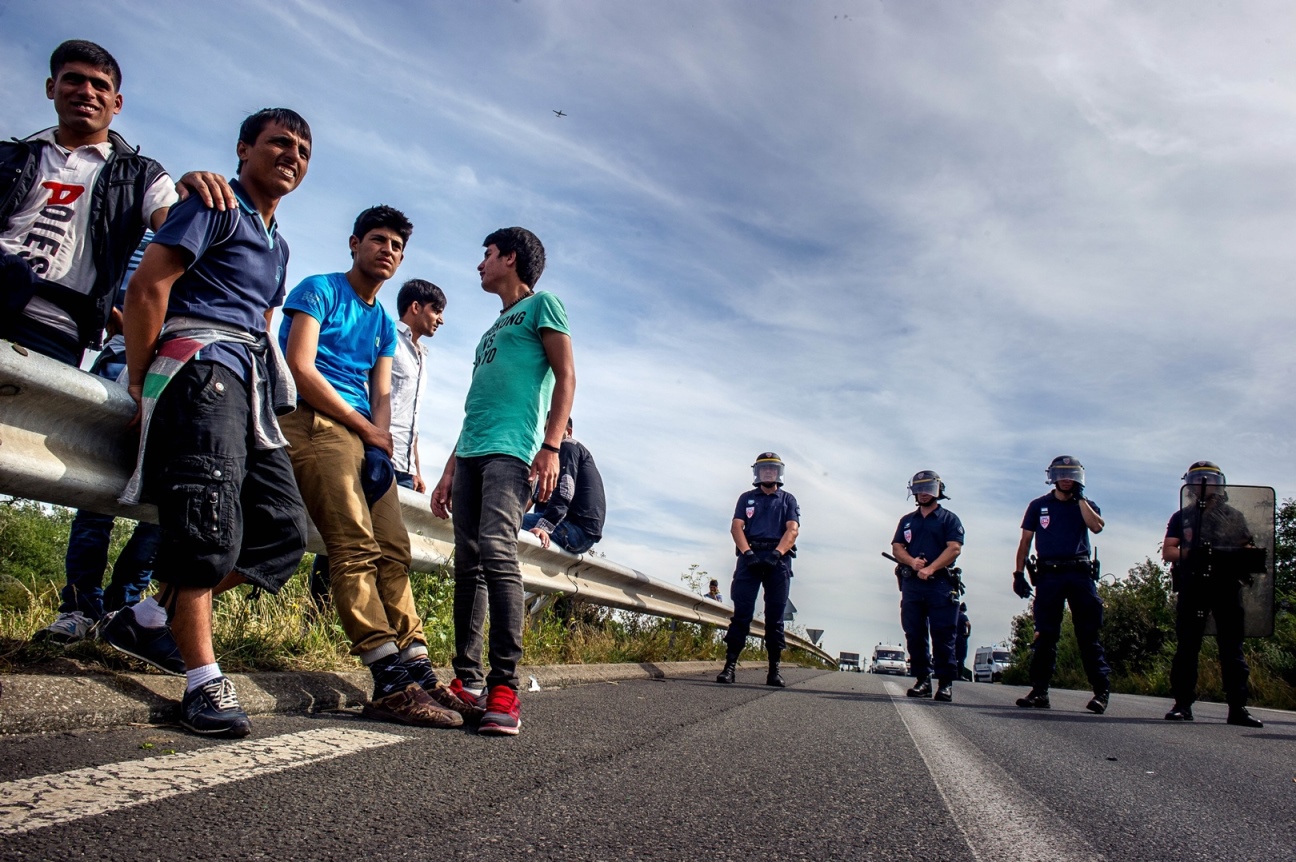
1228,532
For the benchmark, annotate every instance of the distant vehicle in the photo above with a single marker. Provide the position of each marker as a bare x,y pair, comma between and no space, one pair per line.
889,658
990,663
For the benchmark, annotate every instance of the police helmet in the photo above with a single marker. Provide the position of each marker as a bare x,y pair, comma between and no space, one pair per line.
927,482
1204,473
768,469
1065,467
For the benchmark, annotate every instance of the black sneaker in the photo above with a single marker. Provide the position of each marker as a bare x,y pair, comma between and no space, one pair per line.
1179,713
154,646
1241,717
1035,700
922,688
1098,703
212,709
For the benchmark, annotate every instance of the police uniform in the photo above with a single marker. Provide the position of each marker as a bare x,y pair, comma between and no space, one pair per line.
1065,576
961,644
934,602
1199,597
765,518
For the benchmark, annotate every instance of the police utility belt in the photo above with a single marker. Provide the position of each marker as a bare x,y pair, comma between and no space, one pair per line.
759,545
1080,564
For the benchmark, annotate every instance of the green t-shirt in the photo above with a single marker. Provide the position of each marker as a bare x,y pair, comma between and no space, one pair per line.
512,382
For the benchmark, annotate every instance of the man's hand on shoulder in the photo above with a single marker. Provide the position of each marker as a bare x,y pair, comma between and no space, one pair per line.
210,187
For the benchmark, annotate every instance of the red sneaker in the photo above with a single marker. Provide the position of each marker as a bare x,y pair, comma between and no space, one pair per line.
501,716
470,706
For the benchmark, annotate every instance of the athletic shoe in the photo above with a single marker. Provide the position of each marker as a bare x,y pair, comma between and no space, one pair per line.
212,709
1035,700
411,705
1098,703
501,716
154,646
67,628
458,690
447,698
1179,713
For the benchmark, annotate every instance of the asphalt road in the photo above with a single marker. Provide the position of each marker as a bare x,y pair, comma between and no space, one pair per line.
839,766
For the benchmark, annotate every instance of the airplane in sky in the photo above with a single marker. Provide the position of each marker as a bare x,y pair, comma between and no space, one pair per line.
559,114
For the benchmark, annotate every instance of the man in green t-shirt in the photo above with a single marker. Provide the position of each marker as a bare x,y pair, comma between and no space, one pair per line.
522,370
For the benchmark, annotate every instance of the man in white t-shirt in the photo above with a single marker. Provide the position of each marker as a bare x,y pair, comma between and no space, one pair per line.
75,200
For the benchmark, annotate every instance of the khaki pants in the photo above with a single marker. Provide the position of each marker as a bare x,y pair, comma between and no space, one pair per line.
368,549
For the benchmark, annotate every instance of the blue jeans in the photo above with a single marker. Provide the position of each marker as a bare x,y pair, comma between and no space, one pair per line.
1052,591
748,579
489,495
87,557
319,575
569,537
931,604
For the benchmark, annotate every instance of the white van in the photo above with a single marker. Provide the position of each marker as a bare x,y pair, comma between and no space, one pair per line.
889,658
990,663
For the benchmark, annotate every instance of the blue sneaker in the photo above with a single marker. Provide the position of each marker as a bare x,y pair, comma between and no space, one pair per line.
212,709
67,628
154,646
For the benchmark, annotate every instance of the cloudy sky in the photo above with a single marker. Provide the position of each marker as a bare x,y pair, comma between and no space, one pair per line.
874,237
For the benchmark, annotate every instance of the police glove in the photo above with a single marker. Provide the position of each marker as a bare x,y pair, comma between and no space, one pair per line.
1020,586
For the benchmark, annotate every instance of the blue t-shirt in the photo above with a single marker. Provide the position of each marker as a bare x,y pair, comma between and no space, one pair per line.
236,274
928,536
353,334
1059,528
765,516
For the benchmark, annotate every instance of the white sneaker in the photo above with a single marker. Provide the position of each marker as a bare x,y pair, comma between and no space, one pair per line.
68,628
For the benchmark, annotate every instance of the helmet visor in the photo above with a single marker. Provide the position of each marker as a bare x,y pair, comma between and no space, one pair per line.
767,472
1058,472
1198,476
925,486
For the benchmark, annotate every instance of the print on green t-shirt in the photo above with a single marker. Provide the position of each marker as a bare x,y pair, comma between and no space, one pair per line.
512,382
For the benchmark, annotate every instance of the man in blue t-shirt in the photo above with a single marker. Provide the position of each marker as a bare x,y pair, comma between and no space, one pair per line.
523,365
206,377
765,526
927,541
1060,523
339,342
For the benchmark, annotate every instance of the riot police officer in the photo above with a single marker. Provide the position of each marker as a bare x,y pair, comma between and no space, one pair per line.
927,541
1200,596
765,525
1060,523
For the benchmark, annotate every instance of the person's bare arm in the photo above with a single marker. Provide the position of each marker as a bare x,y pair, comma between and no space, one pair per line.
1171,552
210,187
380,393
790,532
1092,519
145,310
739,537
1023,548
946,558
442,502
558,350
315,390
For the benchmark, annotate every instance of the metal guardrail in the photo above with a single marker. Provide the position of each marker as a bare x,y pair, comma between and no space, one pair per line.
63,441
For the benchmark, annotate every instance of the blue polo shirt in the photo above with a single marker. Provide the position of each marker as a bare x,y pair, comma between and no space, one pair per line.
236,270
1059,528
353,334
765,516
927,536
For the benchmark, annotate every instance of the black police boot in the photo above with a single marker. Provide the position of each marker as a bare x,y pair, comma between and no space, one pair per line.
1180,712
775,678
731,666
1238,715
945,691
921,688
1098,703
1037,699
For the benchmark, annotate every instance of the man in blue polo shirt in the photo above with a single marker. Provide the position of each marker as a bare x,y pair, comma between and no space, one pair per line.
1060,523
339,343
209,383
927,541
765,526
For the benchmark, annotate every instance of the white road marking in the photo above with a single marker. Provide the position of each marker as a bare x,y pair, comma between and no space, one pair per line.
998,819
34,803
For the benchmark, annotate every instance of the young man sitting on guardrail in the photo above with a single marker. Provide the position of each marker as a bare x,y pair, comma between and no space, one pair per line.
523,363
209,383
339,343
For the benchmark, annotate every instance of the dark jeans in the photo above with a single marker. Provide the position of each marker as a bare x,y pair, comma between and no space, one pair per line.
44,340
87,557
1052,592
569,537
489,495
1198,599
960,651
748,579
933,604
223,504
319,575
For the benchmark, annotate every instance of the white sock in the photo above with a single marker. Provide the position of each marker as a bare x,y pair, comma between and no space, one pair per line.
150,614
201,675
475,692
